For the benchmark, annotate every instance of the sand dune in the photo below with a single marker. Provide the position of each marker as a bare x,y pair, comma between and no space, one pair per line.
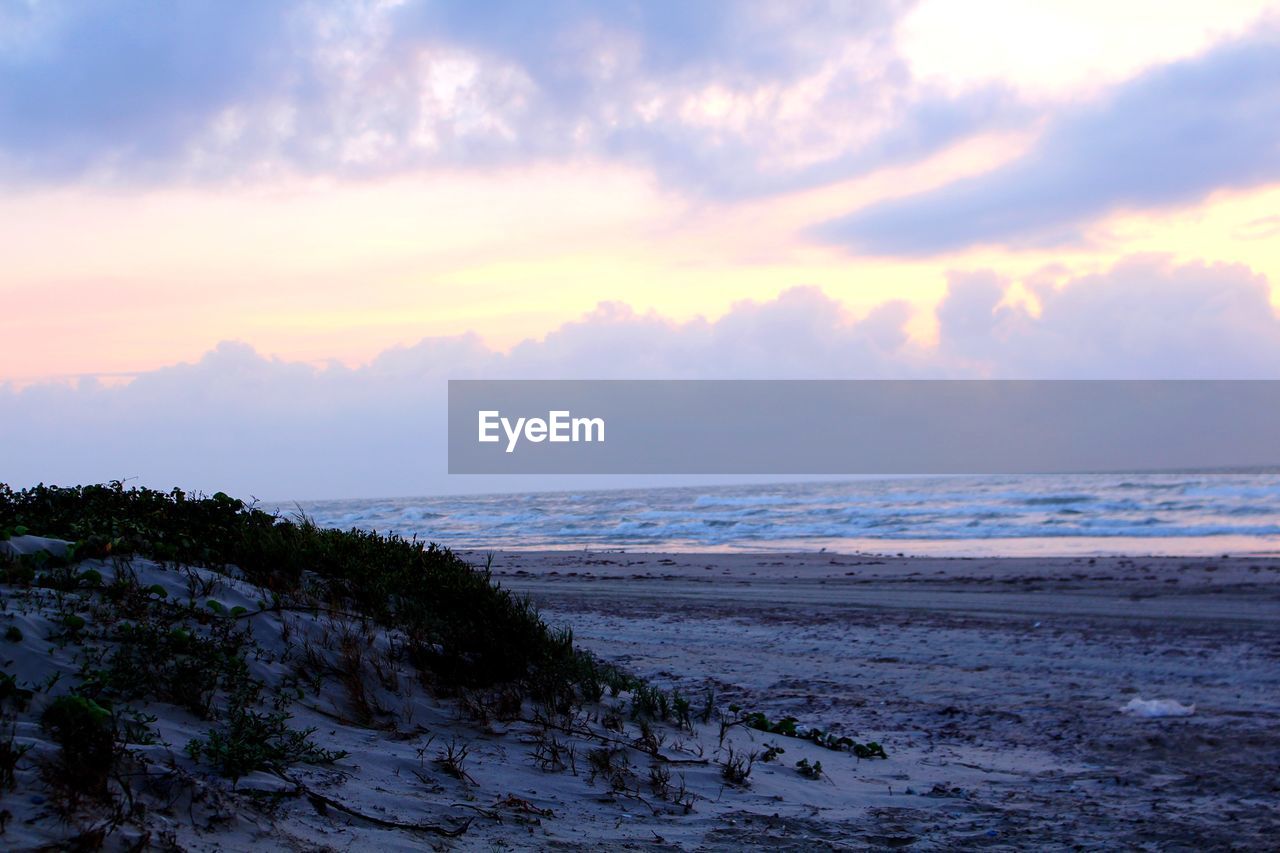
391,762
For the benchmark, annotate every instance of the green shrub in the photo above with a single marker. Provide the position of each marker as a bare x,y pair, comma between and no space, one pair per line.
173,663
85,732
869,750
786,726
13,697
809,771
253,740
10,754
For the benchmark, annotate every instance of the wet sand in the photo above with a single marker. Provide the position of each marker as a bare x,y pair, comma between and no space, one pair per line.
995,684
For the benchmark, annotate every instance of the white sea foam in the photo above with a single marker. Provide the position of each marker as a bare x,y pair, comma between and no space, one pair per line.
1174,513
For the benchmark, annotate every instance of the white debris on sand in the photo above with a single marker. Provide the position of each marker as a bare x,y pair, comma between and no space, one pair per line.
1157,708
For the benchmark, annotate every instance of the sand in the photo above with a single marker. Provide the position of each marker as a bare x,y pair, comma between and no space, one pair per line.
996,687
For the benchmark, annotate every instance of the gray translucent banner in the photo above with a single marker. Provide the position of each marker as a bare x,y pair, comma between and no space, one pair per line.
859,427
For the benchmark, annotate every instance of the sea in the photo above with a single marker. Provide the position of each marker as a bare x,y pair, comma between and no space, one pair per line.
1172,513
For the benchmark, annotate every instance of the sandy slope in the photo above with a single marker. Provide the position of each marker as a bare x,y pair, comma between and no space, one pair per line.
354,687
995,684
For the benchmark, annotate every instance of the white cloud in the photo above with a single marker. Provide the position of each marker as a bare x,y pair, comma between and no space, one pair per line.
1062,48
1144,318
248,424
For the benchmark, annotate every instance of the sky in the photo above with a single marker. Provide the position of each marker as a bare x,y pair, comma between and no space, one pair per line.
244,245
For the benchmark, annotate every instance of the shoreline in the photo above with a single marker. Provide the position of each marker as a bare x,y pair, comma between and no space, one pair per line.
1027,547
1216,569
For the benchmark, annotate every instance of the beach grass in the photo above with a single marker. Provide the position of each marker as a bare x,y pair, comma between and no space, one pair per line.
462,629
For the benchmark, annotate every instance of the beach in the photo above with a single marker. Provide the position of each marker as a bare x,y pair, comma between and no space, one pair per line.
639,426
692,701
996,686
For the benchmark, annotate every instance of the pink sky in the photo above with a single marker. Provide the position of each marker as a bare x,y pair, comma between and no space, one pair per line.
439,175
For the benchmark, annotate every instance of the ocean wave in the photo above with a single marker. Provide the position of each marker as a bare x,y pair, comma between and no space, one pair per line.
941,509
1055,500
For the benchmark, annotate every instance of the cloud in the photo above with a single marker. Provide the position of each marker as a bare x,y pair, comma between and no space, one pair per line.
1145,318
802,334
1060,48
1169,137
239,421
726,99
103,85
721,100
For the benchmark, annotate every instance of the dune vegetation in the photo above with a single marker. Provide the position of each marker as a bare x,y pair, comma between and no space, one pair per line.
157,642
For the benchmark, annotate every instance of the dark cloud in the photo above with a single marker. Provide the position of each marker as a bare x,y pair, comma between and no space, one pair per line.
1170,137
